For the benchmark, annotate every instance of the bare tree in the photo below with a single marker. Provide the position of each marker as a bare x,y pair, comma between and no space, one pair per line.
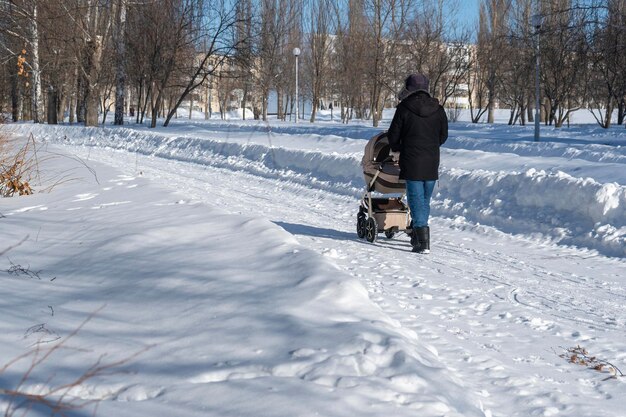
165,44
277,21
244,53
351,60
226,87
386,22
213,32
516,92
607,84
10,59
91,22
477,87
492,46
319,48
120,61
21,21
565,58
437,48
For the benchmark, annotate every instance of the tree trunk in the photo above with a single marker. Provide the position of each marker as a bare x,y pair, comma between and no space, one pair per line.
554,105
105,111
314,108
52,106
206,104
491,109
128,101
72,109
37,95
80,97
608,114
91,109
81,106
139,99
264,105
61,105
146,100
621,111
256,111
173,112
16,98
92,99
120,74
244,102
375,98
155,110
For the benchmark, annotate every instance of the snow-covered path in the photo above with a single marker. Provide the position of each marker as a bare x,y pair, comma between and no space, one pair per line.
497,302
498,310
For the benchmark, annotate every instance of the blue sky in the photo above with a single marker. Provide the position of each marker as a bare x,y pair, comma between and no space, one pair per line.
468,11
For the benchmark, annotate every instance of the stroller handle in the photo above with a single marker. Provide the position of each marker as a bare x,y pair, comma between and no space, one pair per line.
386,160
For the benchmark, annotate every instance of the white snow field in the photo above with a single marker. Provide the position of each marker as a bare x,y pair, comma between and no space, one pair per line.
218,261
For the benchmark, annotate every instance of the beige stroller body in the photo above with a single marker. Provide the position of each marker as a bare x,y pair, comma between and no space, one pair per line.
388,214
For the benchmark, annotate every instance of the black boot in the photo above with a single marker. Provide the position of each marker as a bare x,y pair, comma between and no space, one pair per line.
420,239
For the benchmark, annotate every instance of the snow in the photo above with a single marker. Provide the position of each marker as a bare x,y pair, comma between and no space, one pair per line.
223,254
492,174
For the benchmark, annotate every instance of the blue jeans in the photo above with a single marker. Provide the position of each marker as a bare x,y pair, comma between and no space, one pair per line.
418,194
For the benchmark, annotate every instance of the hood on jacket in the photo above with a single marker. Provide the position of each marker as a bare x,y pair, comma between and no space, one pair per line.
421,104
413,84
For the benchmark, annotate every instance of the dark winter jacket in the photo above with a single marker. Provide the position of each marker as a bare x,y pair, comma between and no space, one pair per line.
418,129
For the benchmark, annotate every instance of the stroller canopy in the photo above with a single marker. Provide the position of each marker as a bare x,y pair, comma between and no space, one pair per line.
388,180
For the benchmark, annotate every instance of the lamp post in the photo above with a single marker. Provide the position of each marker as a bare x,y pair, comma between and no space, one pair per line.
536,22
296,53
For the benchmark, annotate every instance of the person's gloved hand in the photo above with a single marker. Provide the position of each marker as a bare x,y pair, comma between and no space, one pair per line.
395,156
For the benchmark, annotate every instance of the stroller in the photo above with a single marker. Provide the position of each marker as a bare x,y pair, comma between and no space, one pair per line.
381,173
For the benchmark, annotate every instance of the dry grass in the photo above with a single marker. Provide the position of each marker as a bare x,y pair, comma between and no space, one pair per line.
580,356
17,167
56,399
20,167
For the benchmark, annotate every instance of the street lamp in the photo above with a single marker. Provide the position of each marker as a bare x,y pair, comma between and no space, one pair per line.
296,53
536,22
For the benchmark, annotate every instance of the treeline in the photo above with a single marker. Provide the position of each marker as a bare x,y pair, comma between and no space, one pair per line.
84,59
580,45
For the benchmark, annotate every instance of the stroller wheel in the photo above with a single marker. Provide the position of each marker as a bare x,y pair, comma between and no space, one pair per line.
360,225
371,230
389,233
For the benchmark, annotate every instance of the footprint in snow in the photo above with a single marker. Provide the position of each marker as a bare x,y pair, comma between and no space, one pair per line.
26,209
84,197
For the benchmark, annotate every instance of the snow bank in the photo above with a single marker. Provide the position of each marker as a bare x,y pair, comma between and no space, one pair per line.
333,171
573,211
544,200
524,146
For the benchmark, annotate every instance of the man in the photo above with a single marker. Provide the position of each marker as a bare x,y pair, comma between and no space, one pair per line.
418,129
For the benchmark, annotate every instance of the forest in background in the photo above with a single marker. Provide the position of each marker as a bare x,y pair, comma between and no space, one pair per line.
78,60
